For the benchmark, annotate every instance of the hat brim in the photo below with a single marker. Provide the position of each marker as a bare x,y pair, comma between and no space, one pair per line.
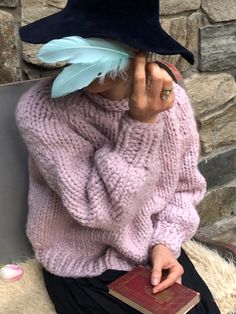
128,31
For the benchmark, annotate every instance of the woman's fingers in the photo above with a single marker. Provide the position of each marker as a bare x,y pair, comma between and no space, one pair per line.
139,79
160,80
156,81
163,259
179,280
145,99
174,274
167,87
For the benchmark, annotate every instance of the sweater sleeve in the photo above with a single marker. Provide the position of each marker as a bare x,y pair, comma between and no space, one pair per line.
103,188
179,220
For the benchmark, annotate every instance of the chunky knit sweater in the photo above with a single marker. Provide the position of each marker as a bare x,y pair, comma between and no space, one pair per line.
103,187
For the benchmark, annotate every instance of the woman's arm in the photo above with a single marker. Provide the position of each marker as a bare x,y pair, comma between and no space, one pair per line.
103,188
179,220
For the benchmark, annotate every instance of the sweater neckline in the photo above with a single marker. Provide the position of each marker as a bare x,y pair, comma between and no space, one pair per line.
106,103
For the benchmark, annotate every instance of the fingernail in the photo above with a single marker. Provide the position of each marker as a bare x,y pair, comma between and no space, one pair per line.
154,281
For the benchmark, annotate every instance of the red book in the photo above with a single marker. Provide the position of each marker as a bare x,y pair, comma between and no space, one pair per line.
135,289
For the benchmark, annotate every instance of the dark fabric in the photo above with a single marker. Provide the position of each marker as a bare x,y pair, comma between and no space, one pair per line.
90,295
135,23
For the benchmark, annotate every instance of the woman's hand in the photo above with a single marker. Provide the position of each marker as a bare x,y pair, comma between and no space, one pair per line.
162,258
146,101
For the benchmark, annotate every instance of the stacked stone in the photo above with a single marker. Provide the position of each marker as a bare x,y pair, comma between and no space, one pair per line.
213,92
206,27
10,61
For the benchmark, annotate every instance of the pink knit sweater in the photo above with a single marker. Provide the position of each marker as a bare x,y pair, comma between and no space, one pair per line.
103,187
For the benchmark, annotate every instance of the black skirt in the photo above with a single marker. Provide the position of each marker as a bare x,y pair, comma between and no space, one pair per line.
90,295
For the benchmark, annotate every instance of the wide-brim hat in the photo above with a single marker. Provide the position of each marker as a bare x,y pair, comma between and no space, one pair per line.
133,22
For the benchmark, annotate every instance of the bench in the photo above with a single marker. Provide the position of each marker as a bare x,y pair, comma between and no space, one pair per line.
13,177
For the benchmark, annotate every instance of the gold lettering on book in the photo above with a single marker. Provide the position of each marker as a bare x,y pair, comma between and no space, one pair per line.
164,296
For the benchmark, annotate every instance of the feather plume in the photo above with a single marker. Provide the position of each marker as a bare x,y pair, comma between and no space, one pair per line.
77,76
72,78
91,58
75,49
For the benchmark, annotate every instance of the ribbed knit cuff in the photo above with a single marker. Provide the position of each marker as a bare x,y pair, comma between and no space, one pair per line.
169,239
175,247
138,142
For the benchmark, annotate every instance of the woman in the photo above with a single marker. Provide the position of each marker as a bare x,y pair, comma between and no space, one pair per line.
113,166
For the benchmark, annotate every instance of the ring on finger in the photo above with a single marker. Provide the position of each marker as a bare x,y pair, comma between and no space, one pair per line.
166,93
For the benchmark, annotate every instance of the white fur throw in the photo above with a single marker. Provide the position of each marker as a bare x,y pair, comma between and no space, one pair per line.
29,295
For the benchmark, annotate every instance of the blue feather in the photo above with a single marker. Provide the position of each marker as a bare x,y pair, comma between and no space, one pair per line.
75,49
88,57
78,76
72,78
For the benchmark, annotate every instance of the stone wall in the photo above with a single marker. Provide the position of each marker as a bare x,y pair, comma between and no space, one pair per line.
206,27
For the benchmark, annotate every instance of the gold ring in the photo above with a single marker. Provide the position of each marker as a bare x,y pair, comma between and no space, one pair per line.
166,93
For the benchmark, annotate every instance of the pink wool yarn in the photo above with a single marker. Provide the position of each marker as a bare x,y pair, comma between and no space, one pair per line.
103,187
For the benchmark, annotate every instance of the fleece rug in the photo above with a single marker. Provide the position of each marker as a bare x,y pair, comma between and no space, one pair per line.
29,295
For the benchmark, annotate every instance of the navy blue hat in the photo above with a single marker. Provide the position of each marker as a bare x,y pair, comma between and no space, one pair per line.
132,22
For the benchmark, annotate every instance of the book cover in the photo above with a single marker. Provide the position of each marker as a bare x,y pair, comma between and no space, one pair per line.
135,289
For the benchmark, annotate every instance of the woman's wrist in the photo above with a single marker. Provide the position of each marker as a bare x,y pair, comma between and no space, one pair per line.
160,245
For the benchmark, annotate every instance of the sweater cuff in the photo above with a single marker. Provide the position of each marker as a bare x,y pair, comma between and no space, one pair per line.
138,142
174,247
170,239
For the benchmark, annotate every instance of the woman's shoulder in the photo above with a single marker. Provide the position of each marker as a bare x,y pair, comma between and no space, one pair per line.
35,104
35,95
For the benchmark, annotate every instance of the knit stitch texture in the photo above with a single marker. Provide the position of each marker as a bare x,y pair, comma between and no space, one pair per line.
103,187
